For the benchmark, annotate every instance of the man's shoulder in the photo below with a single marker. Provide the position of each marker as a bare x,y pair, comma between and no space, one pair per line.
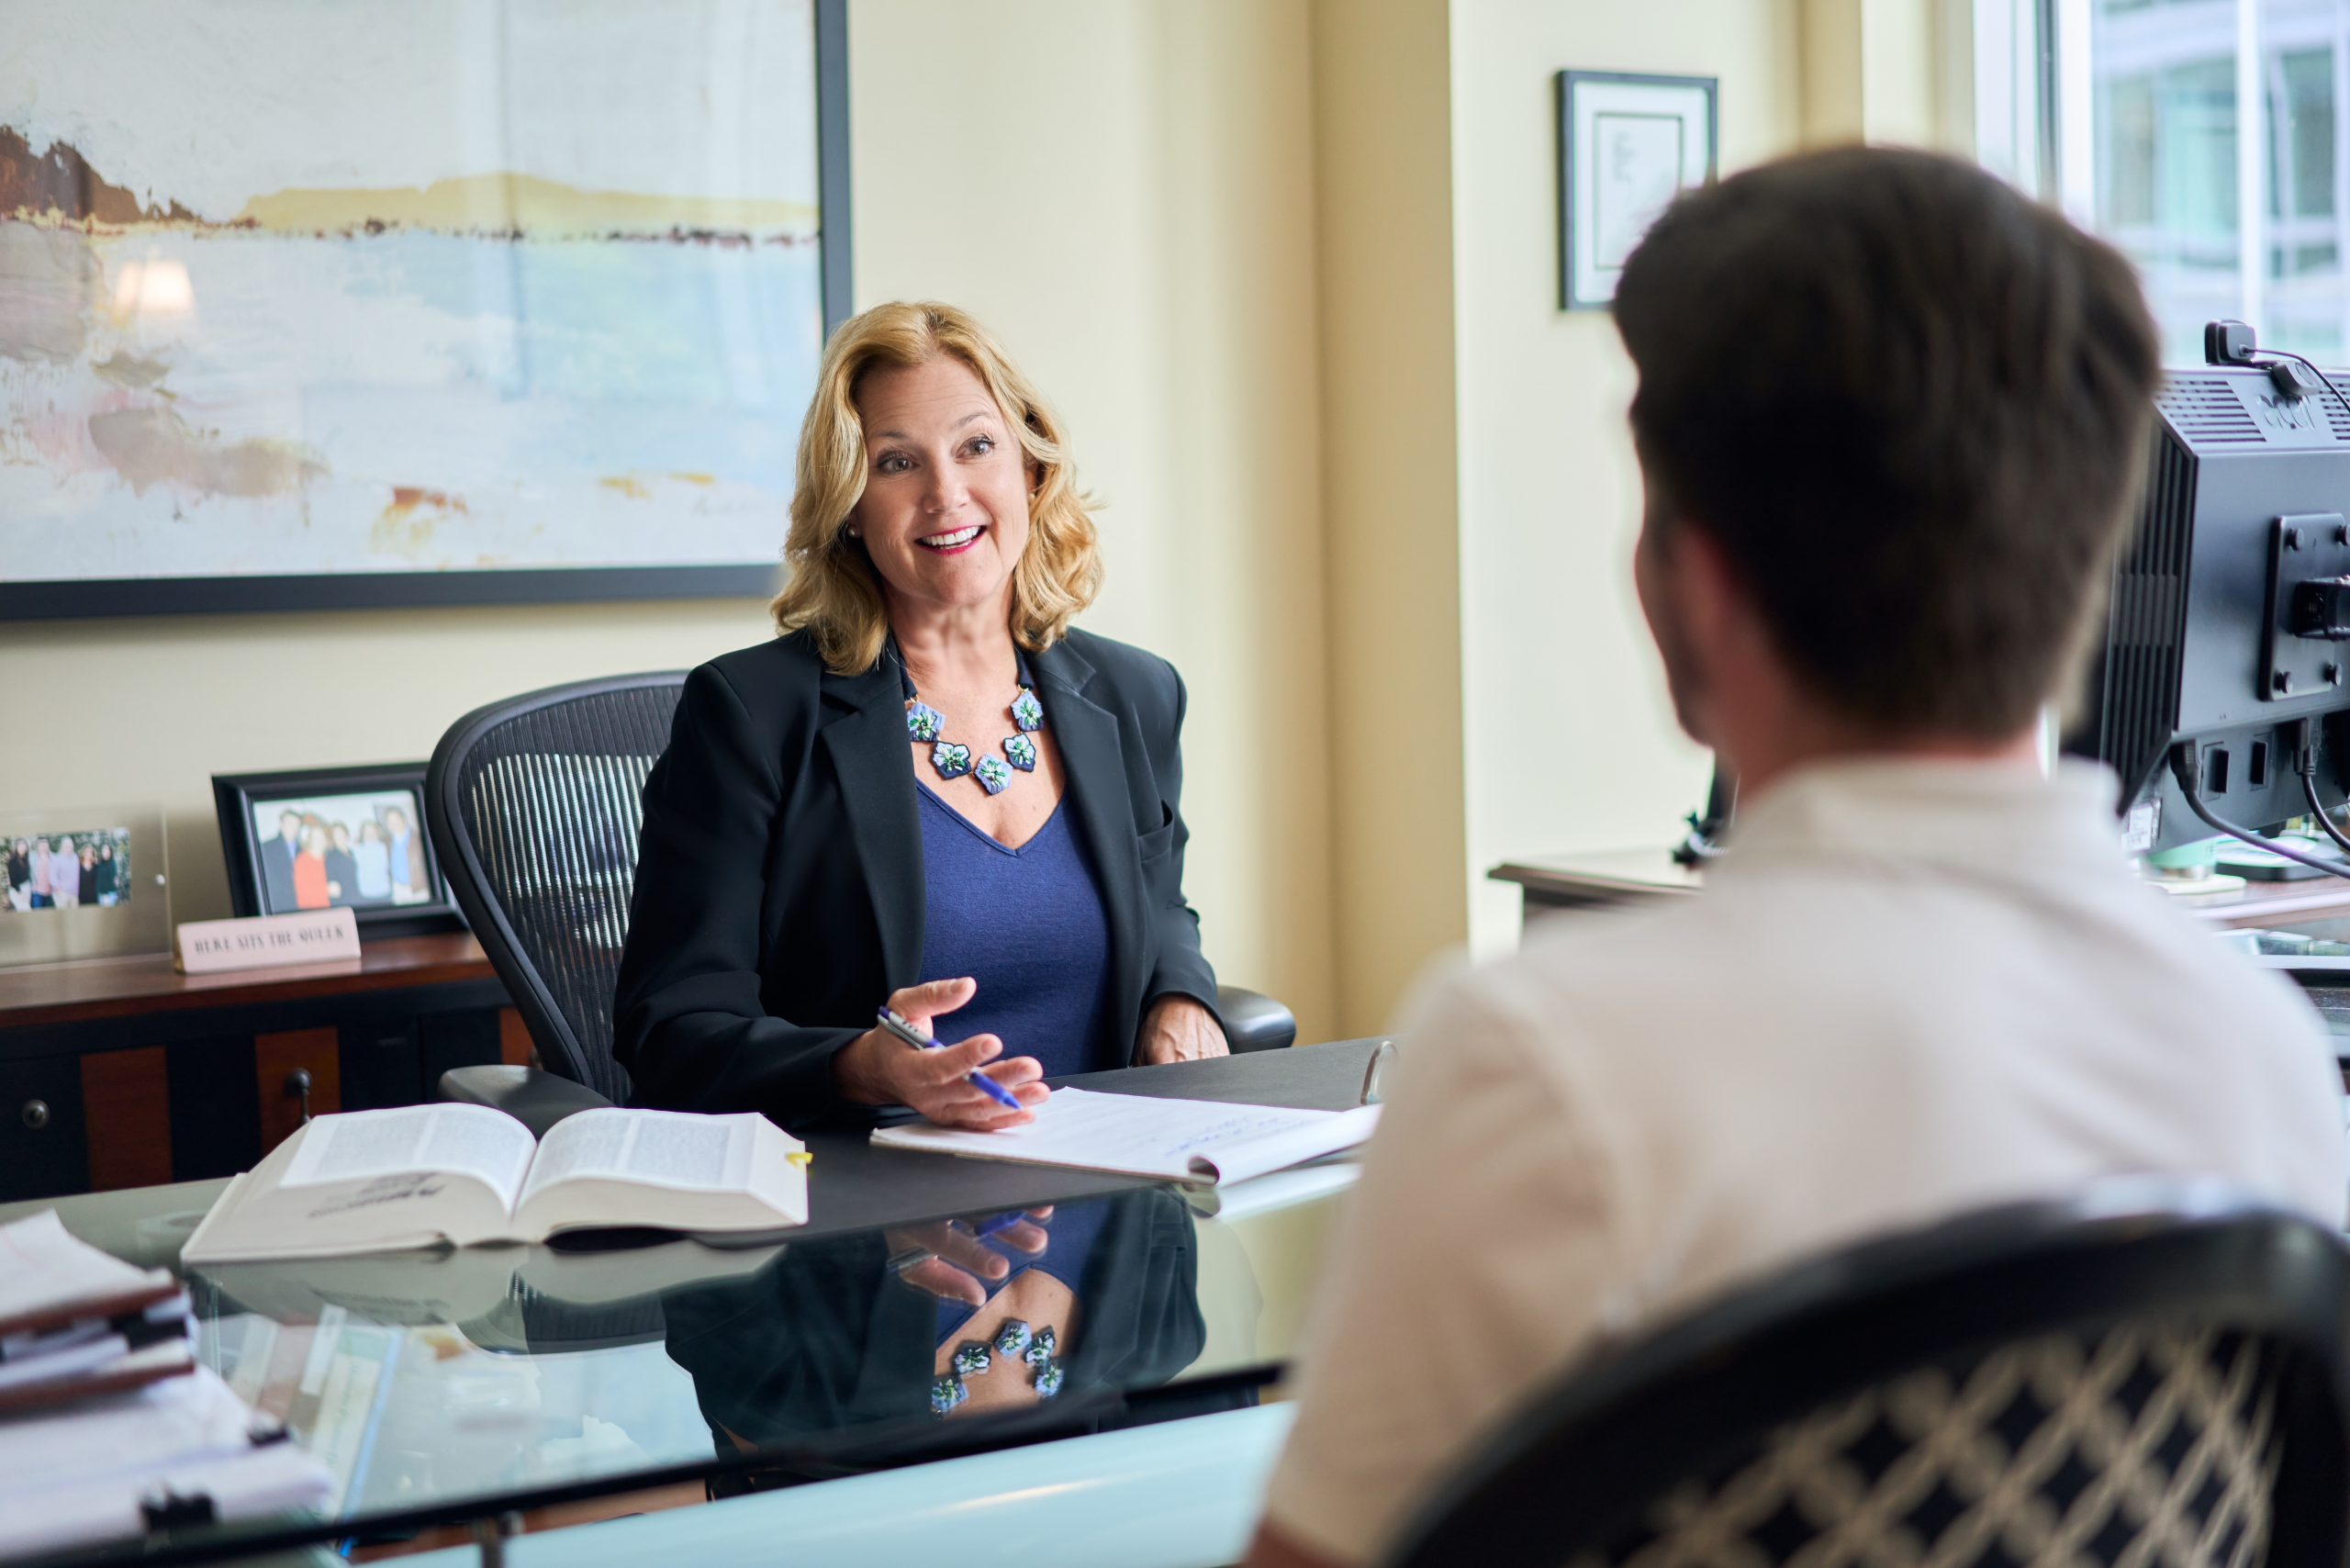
1579,984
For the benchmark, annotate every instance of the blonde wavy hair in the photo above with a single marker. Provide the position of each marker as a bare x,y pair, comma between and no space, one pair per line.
834,592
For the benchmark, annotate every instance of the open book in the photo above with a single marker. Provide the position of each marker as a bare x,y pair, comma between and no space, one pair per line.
1203,1141
422,1175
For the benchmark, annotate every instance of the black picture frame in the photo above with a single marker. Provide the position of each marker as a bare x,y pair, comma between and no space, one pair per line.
235,797
86,598
1567,84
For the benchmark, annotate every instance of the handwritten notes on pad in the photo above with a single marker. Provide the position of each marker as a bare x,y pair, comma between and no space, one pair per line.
1201,1141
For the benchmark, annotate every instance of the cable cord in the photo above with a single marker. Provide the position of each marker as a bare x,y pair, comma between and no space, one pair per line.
2305,763
2287,354
2187,768
2317,809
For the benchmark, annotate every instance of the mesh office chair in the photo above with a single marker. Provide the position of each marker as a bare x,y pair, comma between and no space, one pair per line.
2154,1375
535,805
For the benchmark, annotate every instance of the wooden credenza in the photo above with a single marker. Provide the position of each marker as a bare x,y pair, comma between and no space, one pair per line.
122,1072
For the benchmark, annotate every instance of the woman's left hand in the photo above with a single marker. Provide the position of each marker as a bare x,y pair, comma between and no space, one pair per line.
1178,1029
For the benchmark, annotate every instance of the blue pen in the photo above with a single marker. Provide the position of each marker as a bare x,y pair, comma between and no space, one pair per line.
979,1081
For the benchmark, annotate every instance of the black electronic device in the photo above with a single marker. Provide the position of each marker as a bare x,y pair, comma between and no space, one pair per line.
2222,674
1709,829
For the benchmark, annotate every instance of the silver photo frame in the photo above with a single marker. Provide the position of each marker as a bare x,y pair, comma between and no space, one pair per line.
119,907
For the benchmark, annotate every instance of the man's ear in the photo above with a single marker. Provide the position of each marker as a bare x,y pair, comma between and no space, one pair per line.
1711,594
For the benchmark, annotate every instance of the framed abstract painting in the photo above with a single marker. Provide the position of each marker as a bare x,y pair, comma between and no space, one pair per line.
397,302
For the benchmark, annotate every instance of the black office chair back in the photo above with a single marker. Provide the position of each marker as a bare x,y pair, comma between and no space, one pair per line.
535,806
2154,1375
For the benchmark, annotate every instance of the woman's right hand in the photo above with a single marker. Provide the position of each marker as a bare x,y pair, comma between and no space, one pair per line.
955,1262
878,1069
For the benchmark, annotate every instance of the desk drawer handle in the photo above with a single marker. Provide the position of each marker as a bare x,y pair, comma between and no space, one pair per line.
297,1087
36,1114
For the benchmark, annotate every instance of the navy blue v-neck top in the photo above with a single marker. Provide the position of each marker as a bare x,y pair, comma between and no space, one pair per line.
1030,926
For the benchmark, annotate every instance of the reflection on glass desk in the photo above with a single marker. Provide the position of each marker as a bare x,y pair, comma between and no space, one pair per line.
2316,954
462,1384
2270,943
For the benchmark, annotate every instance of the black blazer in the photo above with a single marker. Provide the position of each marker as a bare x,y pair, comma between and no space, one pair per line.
276,874
780,893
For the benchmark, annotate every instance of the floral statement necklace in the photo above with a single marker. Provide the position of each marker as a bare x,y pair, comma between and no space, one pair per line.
953,759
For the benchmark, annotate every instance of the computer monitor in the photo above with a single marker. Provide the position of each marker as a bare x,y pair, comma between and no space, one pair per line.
2228,628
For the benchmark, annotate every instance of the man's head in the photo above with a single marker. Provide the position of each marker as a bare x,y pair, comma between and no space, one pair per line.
1891,418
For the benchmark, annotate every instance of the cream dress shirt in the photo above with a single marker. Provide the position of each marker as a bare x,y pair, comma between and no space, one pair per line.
1913,989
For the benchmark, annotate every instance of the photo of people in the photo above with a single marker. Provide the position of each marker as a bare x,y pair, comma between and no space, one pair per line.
320,851
68,870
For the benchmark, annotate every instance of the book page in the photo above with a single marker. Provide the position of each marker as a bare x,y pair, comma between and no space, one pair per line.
471,1141
653,1149
1176,1140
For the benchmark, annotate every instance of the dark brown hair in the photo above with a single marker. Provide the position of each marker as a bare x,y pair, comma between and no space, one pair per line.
1911,406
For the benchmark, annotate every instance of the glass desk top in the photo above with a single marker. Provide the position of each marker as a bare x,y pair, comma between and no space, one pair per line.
457,1386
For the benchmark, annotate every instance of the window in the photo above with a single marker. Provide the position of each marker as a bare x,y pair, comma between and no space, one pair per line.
2203,138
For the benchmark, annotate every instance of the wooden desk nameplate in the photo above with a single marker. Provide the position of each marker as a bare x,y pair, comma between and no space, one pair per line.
267,941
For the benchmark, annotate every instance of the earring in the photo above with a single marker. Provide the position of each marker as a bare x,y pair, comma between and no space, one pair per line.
856,533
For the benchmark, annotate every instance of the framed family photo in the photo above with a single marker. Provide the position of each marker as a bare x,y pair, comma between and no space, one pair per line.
1627,145
330,838
81,882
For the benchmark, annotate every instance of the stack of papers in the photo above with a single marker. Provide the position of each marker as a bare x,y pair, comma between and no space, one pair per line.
74,1322
107,1424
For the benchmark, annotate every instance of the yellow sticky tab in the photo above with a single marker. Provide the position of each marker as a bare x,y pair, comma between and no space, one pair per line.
803,1157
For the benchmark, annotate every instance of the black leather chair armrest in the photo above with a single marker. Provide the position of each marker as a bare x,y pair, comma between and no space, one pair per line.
1255,1022
537,1099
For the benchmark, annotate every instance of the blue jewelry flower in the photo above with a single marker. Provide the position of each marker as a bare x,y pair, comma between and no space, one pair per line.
971,1359
922,722
1041,1348
992,774
1012,1338
1026,711
1022,753
947,1392
952,761
1048,1380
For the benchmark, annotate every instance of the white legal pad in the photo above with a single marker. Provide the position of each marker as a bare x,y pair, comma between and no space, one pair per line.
1201,1141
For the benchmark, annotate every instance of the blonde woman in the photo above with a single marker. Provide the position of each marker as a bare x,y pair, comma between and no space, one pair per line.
931,792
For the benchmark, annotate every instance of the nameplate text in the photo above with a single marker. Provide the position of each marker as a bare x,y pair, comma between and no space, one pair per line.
267,941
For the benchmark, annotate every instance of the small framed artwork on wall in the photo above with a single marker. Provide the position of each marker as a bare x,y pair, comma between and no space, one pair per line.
1627,145
329,837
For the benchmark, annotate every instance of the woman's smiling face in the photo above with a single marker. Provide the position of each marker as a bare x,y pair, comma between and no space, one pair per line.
944,513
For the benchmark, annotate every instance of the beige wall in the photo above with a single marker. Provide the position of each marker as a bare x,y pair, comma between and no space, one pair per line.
1873,70
1382,107
1570,740
170,701
1137,222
